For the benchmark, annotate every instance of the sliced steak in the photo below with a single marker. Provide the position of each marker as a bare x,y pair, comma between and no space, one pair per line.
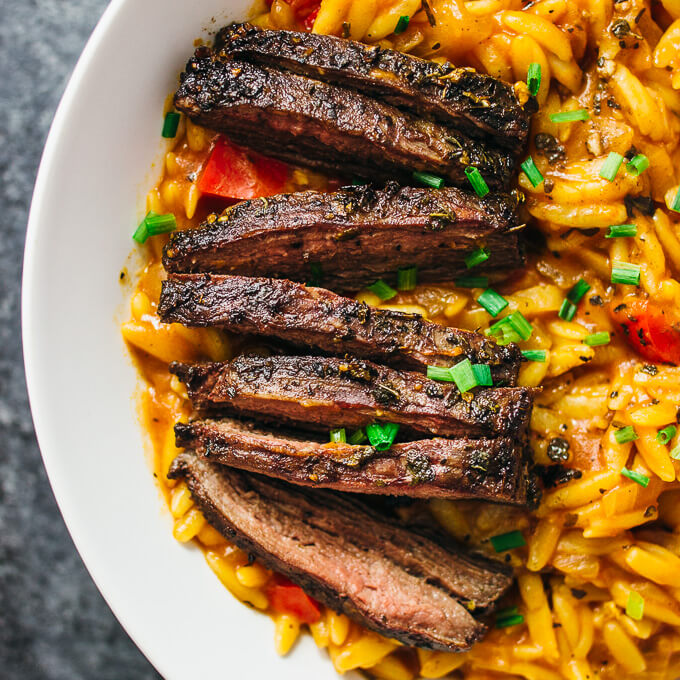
328,127
480,105
354,236
401,584
307,316
327,392
491,469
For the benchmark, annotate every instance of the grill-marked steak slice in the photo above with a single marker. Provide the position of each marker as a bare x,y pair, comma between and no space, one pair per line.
490,469
328,392
415,588
328,127
352,237
478,104
306,316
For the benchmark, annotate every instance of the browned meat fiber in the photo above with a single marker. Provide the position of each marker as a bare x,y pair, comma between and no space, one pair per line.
307,316
328,127
489,469
328,392
415,588
478,104
352,237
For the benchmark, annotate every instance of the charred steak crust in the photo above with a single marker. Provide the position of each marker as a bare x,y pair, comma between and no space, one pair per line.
353,236
338,325
480,105
329,127
395,582
323,392
491,469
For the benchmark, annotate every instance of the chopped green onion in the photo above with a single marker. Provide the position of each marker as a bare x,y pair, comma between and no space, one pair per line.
142,233
611,166
626,273
407,278
637,477
665,435
428,179
597,339
635,607
477,256
539,355
621,230
472,282
382,436
338,436
316,274
508,621
567,310
625,435
512,328
523,328
492,302
534,78
382,290
675,205
482,375
508,611
569,116
439,373
463,375
638,164
357,437
509,541
478,184
675,453
577,291
170,124
160,224
402,24
532,172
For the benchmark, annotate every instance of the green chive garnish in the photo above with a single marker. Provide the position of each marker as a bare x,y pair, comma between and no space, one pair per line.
477,256
402,24
577,291
463,375
534,78
506,622
382,290
676,202
382,436
665,435
570,116
338,436
635,607
638,477
625,435
675,453
142,233
532,172
357,437
170,124
626,273
482,375
160,224
539,355
439,373
567,310
478,184
509,541
492,302
428,179
523,328
611,166
512,328
472,282
597,339
621,230
638,164
407,278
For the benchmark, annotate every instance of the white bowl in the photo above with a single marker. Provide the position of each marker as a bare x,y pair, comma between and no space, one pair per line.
89,196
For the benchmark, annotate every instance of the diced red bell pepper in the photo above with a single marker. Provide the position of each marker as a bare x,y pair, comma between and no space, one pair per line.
649,329
232,173
287,598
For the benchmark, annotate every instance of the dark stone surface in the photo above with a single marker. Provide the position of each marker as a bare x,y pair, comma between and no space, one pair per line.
54,625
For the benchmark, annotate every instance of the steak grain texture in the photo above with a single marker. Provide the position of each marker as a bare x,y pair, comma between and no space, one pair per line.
392,580
328,127
350,238
480,105
308,316
489,469
328,392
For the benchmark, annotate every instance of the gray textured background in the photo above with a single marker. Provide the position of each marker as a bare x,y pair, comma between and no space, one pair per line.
54,625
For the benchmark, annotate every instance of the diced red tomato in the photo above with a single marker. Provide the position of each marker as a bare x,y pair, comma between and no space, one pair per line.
309,20
287,598
234,174
649,329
